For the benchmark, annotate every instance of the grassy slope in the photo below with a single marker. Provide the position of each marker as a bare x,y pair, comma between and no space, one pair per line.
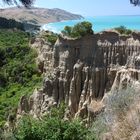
18,71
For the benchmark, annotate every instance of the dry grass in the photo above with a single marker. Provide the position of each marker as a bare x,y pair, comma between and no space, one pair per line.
123,114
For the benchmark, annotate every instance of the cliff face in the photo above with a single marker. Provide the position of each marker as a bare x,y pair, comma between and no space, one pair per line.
82,72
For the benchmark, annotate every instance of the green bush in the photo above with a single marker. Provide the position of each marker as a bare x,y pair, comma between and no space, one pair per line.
67,31
49,36
123,30
52,38
18,71
79,30
51,127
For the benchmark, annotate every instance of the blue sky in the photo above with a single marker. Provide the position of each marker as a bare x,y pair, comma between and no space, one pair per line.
91,7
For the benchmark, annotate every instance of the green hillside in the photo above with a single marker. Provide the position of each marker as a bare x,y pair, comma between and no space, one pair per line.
18,71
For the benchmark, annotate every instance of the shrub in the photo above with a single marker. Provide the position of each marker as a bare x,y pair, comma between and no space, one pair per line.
79,30
18,70
123,30
50,37
51,127
98,128
120,101
121,115
67,31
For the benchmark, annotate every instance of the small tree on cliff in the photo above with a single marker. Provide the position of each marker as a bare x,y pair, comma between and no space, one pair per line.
67,31
82,29
79,30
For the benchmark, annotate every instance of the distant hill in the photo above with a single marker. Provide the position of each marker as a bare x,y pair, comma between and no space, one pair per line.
37,15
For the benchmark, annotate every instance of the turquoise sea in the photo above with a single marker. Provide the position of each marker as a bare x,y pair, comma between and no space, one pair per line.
100,23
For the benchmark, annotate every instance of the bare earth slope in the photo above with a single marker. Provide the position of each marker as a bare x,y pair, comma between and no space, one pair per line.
38,15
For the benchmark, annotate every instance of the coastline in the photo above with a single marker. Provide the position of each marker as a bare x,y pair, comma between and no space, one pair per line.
100,23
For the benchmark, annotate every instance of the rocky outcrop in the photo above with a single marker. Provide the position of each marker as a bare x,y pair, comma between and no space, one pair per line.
80,72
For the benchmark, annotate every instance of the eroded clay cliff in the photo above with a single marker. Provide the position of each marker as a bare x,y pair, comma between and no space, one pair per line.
80,72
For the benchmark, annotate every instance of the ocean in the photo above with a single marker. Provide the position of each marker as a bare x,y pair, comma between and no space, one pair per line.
99,23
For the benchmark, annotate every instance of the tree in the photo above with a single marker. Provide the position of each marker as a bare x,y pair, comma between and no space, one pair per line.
26,3
67,30
79,30
135,2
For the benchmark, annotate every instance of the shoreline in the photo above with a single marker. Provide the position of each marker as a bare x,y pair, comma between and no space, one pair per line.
100,23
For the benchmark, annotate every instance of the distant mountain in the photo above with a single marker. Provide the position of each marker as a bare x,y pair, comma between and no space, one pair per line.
37,15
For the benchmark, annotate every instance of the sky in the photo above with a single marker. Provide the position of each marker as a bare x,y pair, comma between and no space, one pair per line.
90,7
